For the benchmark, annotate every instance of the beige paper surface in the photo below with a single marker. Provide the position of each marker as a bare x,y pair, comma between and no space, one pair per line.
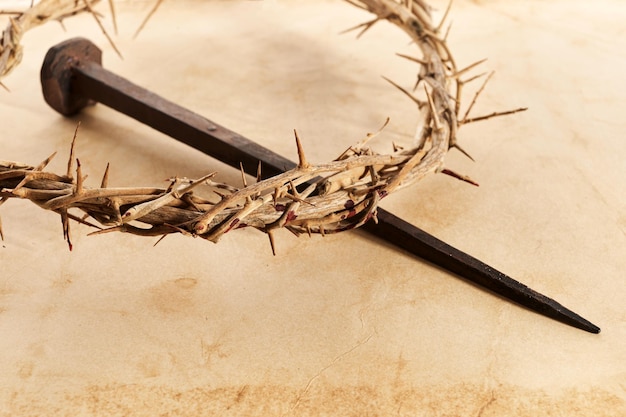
346,324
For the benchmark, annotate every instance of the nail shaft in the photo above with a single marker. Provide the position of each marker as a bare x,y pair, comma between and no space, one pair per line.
89,80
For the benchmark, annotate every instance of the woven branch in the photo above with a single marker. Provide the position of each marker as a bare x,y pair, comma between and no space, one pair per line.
324,198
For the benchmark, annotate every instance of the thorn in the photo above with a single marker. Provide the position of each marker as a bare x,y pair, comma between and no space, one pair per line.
419,103
366,26
276,195
193,185
159,240
72,148
1,232
494,114
105,177
302,162
295,232
66,228
104,31
454,144
243,175
113,16
294,192
445,16
459,176
258,172
221,195
189,201
83,220
173,181
145,20
270,234
418,81
475,77
410,58
468,68
45,162
433,110
373,174
4,86
79,178
480,90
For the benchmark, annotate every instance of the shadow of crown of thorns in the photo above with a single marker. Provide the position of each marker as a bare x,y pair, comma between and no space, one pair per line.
311,198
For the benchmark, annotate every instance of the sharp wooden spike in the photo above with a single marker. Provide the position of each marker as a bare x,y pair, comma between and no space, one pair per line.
445,16
433,110
243,175
221,195
459,176
419,103
466,69
411,58
105,178
491,115
475,77
79,178
455,144
302,162
270,235
480,90
83,220
70,160
102,28
113,15
196,183
159,240
365,25
147,18
294,191
45,162
66,228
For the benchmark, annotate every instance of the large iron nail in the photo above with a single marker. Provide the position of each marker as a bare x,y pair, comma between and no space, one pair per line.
72,77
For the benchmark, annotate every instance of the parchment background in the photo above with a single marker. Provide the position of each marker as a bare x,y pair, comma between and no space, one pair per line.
341,325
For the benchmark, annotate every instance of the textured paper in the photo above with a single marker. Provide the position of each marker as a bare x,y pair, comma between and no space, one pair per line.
346,324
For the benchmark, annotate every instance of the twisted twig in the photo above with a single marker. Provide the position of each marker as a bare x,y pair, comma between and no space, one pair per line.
324,198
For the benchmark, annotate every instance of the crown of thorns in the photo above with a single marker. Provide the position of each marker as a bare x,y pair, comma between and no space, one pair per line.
312,198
